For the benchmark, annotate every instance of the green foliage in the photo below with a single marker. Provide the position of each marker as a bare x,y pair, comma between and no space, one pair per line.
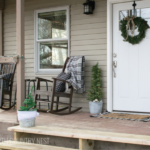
28,103
96,84
142,27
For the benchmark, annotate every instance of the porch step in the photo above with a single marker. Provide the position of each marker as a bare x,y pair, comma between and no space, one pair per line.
85,134
14,145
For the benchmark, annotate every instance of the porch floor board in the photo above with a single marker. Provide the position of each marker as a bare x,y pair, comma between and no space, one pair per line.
82,121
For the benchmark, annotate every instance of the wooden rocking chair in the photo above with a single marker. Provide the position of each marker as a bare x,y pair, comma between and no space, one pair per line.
52,94
7,70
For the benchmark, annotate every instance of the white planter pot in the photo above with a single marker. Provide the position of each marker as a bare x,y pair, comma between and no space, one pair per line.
27,123
96,107
27,118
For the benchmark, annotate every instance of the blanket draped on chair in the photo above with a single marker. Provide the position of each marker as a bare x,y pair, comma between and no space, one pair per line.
76,65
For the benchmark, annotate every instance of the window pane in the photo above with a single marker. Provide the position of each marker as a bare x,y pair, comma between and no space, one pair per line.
126,13
145,13
138,12
123,14
53,54
148,21
52,25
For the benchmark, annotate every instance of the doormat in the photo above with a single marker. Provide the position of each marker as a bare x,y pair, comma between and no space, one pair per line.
1,110
122,116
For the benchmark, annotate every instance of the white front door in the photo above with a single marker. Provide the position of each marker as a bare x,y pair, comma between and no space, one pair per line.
131,86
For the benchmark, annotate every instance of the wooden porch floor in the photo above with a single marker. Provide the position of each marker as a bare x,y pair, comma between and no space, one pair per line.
81,120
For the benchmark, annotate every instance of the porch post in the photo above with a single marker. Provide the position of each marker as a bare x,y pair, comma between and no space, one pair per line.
20,51
2,6
1,41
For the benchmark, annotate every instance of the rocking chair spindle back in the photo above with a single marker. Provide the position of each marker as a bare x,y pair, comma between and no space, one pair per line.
52,94
7,71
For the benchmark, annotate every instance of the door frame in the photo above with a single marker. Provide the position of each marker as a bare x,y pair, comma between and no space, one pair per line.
110,50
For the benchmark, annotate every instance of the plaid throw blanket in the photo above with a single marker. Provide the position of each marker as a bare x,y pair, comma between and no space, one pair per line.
76,65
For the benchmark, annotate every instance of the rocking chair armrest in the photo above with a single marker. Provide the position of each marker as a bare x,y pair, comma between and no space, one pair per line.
5,79
60,80
30,80
43,79
27,79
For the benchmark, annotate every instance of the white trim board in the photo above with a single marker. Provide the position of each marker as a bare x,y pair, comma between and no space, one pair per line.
110,50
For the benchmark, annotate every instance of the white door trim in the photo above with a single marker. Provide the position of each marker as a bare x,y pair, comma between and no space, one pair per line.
110,50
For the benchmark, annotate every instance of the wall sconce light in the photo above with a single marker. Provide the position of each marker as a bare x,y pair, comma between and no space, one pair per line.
89,6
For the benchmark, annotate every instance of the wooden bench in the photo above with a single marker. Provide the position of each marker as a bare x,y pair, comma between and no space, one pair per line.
14,145
86,137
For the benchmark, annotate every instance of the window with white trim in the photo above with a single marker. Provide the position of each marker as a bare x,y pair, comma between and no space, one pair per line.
52,39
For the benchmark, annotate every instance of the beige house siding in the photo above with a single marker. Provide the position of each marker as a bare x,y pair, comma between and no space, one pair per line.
88,37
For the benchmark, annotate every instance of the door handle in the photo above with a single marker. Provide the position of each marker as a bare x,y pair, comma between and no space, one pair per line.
114,66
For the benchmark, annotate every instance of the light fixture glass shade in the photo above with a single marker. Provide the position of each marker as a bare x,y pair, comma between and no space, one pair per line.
86,8
91,9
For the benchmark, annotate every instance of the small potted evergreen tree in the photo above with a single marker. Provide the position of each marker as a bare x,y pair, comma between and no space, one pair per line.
27,113
95,93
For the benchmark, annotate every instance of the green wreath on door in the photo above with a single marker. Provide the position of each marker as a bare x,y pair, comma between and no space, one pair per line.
137,22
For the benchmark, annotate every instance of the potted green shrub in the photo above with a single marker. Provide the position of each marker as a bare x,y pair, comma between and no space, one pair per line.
95,93
27,113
